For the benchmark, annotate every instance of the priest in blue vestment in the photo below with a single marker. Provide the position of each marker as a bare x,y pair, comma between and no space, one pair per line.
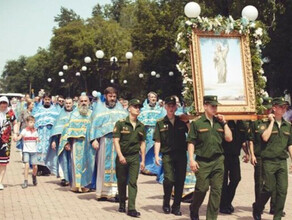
45,117
105,115
76,155
52,156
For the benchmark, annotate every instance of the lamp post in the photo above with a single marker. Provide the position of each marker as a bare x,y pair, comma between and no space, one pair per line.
70,73
250,12
113,65
192,10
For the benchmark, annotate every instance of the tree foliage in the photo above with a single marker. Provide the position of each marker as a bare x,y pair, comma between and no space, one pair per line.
148,28
66,16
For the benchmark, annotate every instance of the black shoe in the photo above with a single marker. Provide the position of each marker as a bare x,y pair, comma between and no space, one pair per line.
133,213
166,209
176,212
113,199
166,206
231,208
34,180
63,182
24,185
283,214
225,211
194,216
122,208
256,215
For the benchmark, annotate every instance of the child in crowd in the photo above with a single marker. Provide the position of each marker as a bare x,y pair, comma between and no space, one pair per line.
29,136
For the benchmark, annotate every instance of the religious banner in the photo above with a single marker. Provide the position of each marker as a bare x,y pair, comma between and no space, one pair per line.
222,56
221,65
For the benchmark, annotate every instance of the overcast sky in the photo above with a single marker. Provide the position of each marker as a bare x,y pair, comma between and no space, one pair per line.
26,25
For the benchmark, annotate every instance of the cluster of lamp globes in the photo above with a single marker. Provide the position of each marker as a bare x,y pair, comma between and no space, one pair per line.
157,75
100,54
193,10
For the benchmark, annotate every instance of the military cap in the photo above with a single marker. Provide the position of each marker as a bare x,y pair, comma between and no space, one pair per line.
267,102
170,100
211,99
279,101
135,102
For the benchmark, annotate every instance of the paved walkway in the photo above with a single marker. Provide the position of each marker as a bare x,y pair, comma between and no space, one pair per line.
48,200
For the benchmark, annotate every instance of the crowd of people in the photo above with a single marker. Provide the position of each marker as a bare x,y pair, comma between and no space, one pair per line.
103,143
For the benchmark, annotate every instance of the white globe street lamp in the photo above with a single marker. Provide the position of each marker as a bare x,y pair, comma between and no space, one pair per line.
170,73
49,80
87,59
112,81
192,10
94,93
99,54
153,73
125,81
114,59
141,75
65,67
157,75
250,12
83,68
78,74
129,55
61,73
62,80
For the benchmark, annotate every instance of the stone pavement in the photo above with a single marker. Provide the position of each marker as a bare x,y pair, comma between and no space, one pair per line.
48,200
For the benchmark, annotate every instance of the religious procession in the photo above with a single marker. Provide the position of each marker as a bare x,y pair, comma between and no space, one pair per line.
190,130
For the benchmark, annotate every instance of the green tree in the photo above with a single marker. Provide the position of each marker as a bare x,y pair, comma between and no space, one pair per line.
15,77
116,8
278,53
66,16
97,11
148,28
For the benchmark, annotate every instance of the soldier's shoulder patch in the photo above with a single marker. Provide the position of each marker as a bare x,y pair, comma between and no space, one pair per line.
160,119
262,127
196,118
115,129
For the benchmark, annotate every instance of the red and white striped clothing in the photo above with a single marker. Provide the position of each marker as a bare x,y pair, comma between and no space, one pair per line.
29,138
